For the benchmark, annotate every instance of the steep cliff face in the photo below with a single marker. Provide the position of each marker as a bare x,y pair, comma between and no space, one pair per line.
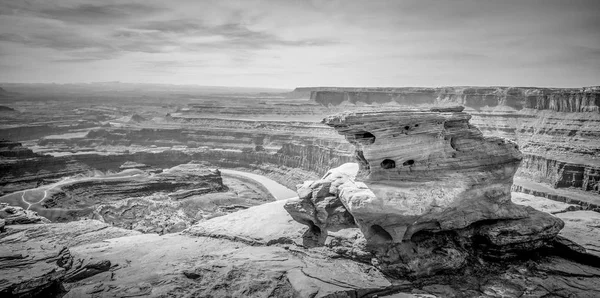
297,163
257,145
14,149
559,100
558,130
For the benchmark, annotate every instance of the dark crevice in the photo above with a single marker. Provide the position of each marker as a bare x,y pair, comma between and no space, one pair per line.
453,144
364,137
313,228
381,233
409,162
388,164
362,160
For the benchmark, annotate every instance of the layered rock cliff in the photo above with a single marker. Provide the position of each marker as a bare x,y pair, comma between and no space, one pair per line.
557,129
303,148
14,149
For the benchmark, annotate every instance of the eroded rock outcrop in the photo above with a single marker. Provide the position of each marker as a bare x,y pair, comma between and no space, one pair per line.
13,215
14,149
556,128
318,205
35,258
430,193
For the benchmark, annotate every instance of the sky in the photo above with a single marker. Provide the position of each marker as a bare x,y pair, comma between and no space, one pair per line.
289,43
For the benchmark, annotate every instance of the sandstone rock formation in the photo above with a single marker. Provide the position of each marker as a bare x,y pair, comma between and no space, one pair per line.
14,149
555,127
13,215
318,205
431,191
35,258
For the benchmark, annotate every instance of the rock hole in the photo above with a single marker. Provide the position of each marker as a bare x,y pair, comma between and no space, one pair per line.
409,162
381,233
364,137
313,228
453,144
407,127
388,164
416,125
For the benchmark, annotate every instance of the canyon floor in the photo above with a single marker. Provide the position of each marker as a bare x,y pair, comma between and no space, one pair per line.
143,193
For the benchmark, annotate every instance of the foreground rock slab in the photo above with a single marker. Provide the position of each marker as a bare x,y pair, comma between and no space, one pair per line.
583,228
232,256
543,204
264,225
35,258
154,266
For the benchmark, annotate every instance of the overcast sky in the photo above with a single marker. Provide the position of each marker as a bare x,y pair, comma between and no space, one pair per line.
288,43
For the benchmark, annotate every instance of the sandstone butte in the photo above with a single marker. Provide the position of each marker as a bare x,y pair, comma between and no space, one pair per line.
426,212
430,191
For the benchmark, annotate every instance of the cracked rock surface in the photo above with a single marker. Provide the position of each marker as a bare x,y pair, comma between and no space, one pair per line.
257,252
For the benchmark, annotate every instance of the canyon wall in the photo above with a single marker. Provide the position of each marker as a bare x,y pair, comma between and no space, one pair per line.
292,163
558,130
287,152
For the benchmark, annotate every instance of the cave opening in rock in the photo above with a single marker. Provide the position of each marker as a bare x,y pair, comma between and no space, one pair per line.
380,233
409,162
388,164
313,228
364,137
407,127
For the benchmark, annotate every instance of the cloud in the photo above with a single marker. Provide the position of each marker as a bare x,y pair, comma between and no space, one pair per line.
80,13
223,36
76,60
91,31
332,42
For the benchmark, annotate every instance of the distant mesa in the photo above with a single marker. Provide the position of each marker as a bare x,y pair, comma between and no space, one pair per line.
12,149
133,165
6,109
585,99
137,118
3,92
6,94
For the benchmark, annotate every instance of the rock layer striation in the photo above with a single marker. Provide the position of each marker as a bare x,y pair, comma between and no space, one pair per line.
430,193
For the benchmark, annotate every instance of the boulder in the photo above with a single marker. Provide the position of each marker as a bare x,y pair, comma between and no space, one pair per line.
318,205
